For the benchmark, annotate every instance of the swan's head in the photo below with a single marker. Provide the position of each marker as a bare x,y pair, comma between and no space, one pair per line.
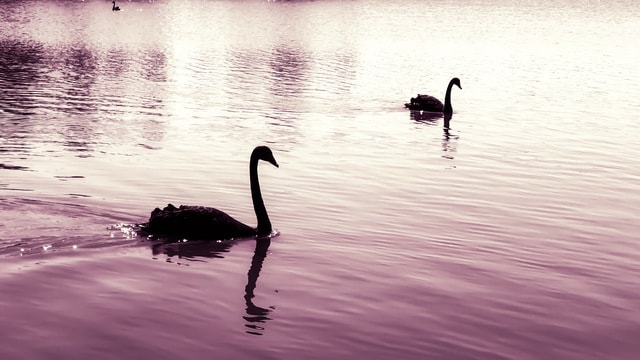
264,153
456,82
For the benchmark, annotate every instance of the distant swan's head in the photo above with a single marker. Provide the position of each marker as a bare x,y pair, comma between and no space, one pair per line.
264,153
456,82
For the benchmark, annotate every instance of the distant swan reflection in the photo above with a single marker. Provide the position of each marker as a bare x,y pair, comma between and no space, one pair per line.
448,147
430,118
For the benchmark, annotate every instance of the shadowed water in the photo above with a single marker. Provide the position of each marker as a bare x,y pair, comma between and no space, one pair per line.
511,233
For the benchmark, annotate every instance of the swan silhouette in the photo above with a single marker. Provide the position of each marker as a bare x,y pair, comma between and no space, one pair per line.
200,222
115,8
432,104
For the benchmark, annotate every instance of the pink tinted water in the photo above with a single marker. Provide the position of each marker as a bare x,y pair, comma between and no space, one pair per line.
512,235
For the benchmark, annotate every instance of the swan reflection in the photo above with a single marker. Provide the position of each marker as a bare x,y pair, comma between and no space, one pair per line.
449,140
190,250
255,316
425,117
448,146
430,118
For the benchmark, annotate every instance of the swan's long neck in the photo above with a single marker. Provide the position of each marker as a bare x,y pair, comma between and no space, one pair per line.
447,99
264,225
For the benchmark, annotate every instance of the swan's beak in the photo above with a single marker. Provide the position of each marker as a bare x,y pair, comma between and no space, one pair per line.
273,162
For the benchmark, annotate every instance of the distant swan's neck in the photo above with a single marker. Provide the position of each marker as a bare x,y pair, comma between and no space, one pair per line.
447,100
264,225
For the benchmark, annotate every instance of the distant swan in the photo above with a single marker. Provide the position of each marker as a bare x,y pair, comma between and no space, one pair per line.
430,103
199,222
115,8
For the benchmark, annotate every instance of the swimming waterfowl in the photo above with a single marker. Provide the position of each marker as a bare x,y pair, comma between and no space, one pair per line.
432,104
115,8
206,223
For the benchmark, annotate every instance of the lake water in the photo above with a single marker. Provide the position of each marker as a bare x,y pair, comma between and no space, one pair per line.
511,235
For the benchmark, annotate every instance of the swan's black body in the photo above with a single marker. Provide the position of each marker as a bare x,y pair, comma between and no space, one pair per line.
432,104
115,8
200,222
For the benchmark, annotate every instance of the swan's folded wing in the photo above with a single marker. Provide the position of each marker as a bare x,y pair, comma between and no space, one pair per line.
429,101
196,222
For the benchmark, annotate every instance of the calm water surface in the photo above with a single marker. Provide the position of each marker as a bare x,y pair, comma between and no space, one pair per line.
511,235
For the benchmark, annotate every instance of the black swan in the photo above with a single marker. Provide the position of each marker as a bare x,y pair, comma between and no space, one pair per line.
115,8
199,222
430,103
